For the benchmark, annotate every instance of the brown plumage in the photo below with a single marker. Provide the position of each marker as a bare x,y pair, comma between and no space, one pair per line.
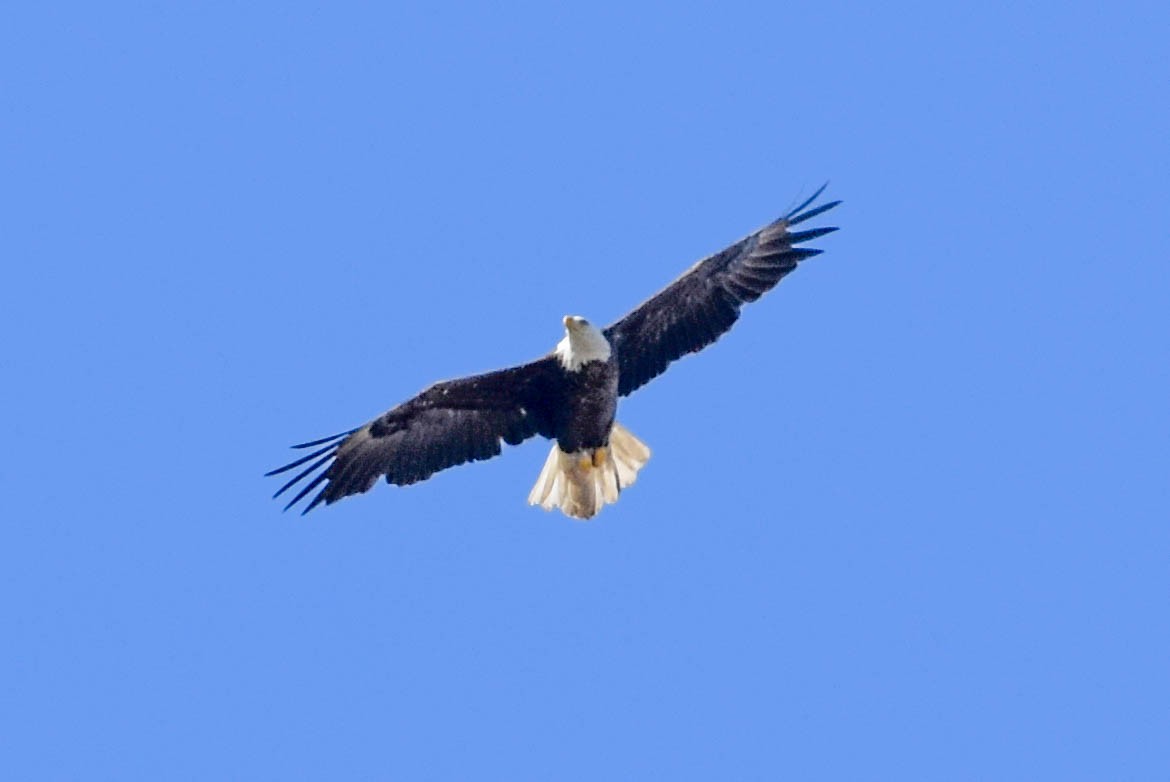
569,395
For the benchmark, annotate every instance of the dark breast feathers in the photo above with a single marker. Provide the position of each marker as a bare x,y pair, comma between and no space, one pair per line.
586,414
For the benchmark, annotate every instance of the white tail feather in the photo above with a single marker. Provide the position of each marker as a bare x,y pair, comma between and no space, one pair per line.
571,482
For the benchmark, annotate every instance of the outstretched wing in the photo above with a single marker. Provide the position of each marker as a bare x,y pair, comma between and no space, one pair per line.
700,306
450,423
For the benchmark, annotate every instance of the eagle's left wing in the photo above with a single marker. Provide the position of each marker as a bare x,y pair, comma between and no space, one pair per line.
450,423
700,306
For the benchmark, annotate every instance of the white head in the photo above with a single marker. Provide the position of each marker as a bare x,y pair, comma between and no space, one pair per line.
583,342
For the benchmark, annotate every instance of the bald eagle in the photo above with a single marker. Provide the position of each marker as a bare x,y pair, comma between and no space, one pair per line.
569,396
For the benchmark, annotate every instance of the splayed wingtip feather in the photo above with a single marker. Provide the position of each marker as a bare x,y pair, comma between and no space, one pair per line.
807,201
302,474
800,218
324,440
316,501
810,234
306,489
299,461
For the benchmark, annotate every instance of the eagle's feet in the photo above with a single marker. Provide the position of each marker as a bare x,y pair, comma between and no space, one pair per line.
595,459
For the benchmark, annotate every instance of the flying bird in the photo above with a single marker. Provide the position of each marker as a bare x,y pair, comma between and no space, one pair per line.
569,396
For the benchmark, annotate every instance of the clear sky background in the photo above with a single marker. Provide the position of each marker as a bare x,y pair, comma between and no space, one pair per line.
908,520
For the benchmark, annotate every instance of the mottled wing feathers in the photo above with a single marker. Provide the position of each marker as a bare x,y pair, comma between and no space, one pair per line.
702,304
450,423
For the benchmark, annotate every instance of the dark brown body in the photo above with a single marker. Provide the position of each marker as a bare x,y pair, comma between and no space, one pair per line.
585,416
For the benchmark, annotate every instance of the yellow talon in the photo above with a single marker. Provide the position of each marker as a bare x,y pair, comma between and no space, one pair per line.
599,457
585,463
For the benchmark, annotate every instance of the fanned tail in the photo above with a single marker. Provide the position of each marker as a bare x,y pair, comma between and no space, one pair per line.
584,482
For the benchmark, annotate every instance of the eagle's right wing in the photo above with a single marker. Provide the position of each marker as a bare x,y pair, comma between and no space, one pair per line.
450,423
700,306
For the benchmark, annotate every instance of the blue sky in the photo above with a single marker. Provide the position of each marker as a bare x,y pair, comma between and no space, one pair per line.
909,520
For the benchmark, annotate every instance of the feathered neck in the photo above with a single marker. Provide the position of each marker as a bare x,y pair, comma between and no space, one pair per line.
582,343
